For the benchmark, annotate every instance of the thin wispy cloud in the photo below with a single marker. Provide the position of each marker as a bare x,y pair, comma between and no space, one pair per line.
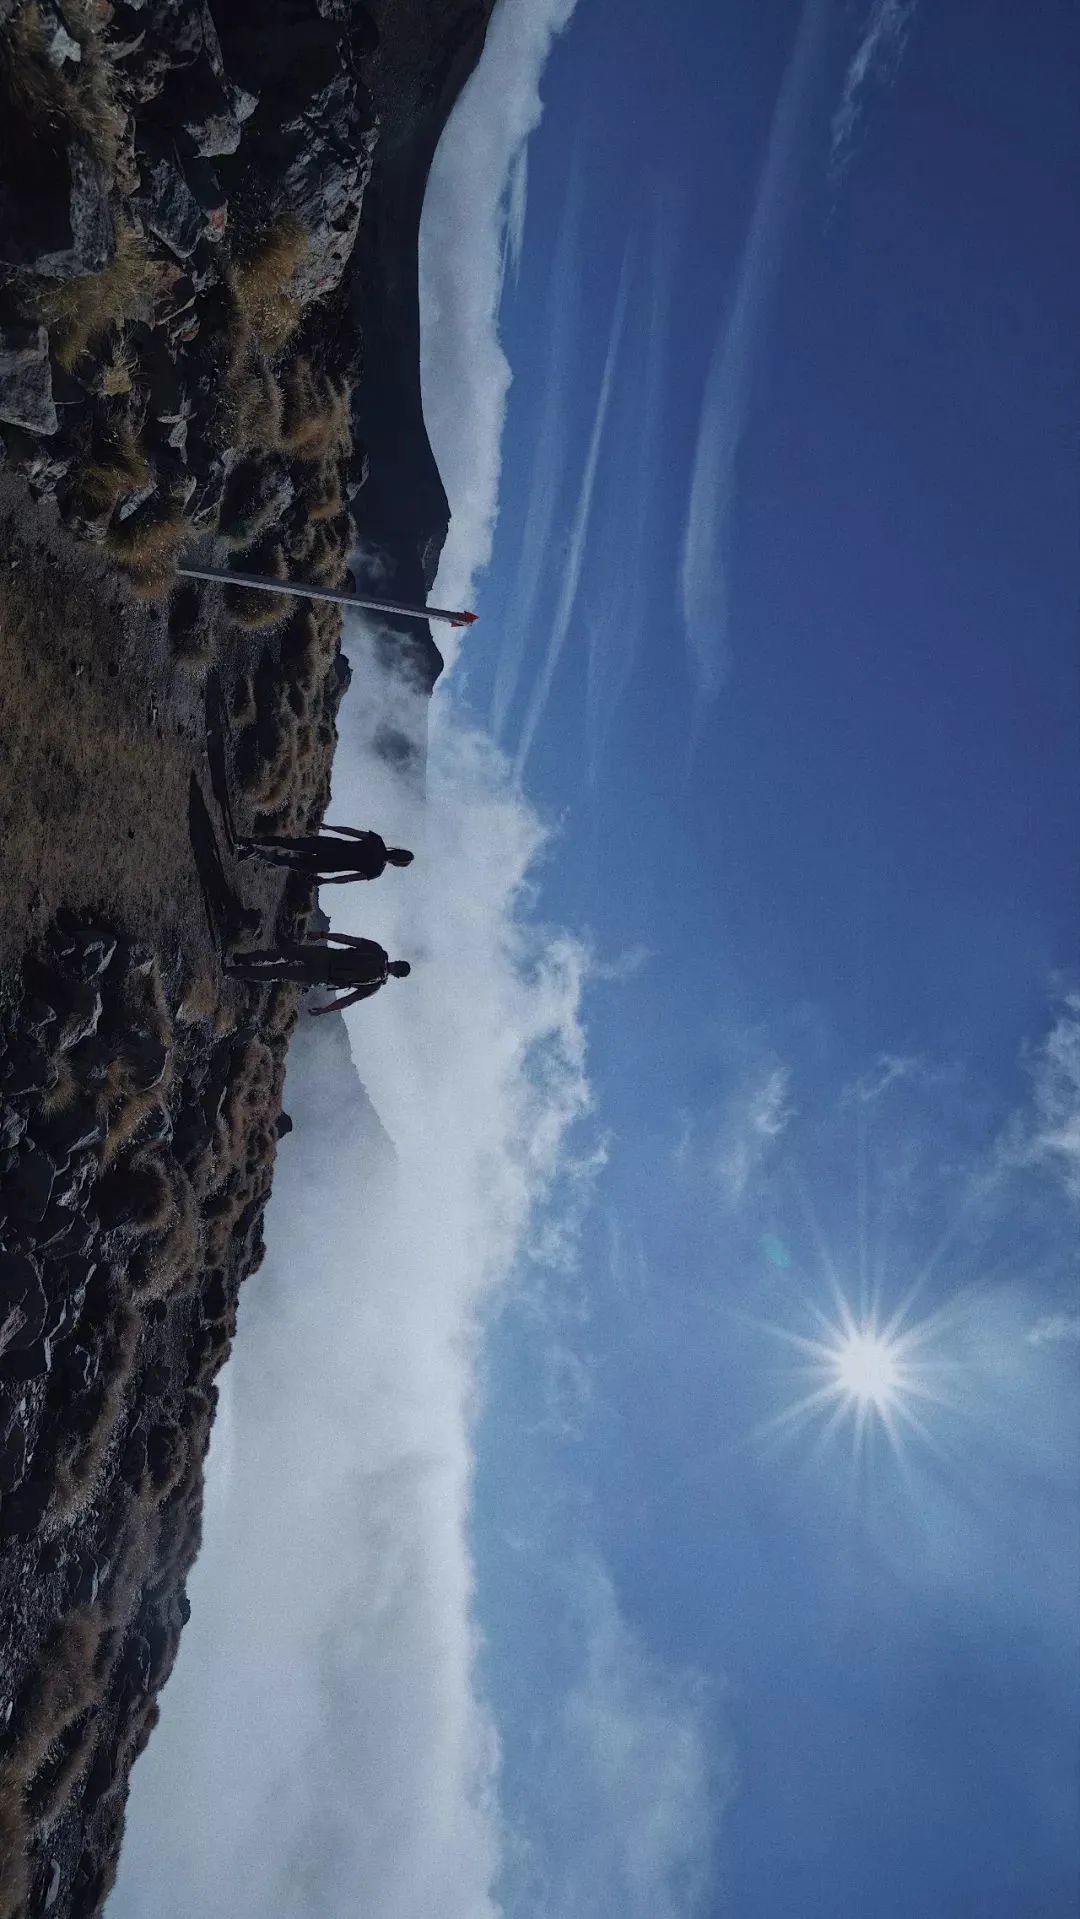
614,634
728,1147
704,583
574,558
876,58
635,1778
1054,1136
532,571
1055,1329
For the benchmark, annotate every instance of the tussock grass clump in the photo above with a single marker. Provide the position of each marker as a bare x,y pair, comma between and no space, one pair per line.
173,1261
199,1002
81,100
245,605
136,1196
253,408
315,418
253,500
82,1454
61,1687
326,500
131,1115
121,471
81,311
263,283
147,546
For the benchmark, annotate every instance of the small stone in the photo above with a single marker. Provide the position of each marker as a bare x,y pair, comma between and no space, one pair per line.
55,1877
14,1457
26,395
80,1017
57,43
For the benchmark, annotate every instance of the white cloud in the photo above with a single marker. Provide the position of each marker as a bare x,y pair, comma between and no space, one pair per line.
704,582
877,55
469,216
635,1774
325,1691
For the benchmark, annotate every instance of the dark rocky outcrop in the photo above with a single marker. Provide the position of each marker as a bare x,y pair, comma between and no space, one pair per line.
208,233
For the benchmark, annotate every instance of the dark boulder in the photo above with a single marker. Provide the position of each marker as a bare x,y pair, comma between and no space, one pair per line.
22,1511
30,1362
26,395
91,239
28,1188
166,205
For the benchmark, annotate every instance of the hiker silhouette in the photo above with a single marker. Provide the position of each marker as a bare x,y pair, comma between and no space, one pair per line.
361,965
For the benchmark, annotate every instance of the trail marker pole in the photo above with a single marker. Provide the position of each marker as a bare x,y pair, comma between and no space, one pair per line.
303,592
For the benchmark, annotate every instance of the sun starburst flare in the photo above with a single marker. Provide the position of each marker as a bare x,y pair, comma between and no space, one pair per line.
865,1374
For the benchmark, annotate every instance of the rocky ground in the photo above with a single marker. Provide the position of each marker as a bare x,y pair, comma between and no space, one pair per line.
208,328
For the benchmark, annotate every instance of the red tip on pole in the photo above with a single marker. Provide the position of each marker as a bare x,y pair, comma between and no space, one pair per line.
465,619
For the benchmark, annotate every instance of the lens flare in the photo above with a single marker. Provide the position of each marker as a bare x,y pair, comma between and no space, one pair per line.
864,1374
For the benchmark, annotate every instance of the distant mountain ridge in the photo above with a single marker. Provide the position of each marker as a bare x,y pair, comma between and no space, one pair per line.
428,50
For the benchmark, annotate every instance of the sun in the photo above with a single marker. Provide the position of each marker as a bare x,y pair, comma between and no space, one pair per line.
864,1373
868,1367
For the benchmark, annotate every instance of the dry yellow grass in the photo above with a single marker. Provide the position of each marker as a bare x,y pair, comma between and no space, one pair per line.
14,1840
315,417
128,1119
123,470
253,406
83,99
61,1687
93,806
79,1465
200,1000
262,284
326,500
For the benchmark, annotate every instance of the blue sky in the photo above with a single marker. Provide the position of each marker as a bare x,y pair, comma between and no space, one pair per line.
851,840
744,996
